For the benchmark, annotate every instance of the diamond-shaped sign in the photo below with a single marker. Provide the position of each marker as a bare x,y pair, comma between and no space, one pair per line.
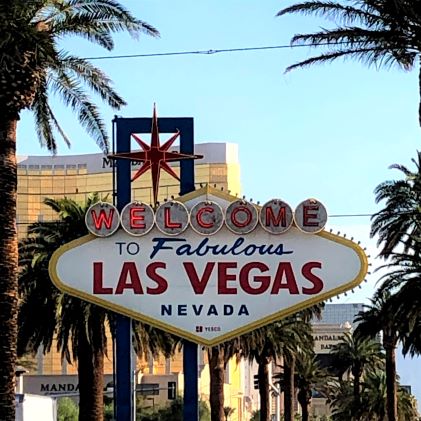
208,289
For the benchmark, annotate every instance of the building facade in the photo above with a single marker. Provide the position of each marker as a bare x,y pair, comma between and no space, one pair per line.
336,321
75,176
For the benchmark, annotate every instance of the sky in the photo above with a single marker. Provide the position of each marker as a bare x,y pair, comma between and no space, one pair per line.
329,132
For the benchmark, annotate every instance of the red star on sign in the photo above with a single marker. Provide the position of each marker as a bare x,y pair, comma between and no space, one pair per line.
155,157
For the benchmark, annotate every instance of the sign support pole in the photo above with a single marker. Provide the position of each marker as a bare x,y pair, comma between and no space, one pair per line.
124,379
190,349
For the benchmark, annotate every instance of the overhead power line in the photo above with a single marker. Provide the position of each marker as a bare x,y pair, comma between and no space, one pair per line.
210,52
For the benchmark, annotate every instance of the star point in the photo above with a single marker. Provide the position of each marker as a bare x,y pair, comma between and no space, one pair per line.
155,156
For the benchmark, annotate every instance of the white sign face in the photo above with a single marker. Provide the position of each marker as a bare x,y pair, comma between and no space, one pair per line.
208,289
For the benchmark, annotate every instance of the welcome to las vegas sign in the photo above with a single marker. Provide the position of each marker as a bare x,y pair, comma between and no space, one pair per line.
208,267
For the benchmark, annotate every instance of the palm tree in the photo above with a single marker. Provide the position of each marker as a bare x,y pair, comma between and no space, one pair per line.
354,354
71,319
32,66
290,355
381,317
403,281
309,376
341,401
379,32
373,400
268,344
407,405
400,219
228,411
218,360
80,327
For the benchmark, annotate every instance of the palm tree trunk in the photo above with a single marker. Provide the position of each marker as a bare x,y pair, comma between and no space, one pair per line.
263,376
217,374
8,267
91,380
289,372
302,399
389,344
356,373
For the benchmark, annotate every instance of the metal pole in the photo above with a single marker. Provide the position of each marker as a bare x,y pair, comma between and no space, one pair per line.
191,387
124,128
124,379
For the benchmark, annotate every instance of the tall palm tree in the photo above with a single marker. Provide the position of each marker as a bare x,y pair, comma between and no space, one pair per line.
341,401
32,67
354,354
399,222
78,326
309,377
268,344
304,318
218,358
381,317
379,32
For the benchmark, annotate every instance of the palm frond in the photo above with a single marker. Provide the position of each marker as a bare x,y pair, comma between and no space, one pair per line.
94,78
84,27
332,10
363,54
43,117
74,96
107,16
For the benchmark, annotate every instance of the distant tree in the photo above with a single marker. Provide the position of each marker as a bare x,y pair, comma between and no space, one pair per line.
381,317
309,377
268,344
291,351
67,410
355,354
255,416
173,412
228,411
372,406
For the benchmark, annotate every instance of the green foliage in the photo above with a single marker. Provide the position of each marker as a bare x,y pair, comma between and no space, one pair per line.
67,410
398,222
255,416
228,411
108,412
172,412
355,353
373,400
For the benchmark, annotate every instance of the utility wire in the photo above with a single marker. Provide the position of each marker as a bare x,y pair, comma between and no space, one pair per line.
211,52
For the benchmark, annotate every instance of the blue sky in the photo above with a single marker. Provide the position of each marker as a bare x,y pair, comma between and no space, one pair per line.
328,132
